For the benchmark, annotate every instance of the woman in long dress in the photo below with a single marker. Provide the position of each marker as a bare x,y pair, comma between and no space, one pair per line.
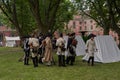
48,51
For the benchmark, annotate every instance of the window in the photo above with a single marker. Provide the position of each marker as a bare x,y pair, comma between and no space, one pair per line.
80,22
85,27
80,28
91,27
91,21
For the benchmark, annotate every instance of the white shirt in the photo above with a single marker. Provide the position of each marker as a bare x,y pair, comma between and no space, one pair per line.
59,43
90,45
34,42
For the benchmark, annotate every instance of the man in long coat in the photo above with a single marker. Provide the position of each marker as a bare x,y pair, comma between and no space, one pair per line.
91,48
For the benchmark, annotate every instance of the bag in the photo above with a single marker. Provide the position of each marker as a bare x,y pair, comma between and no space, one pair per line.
62,46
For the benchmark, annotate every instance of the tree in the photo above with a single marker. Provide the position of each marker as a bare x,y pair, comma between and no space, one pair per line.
14,12
104,12
65,13
44,12
28,15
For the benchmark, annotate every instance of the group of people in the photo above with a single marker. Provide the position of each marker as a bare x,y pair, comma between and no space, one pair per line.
41,47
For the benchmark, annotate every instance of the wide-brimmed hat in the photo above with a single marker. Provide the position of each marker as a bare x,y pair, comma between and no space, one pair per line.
91,35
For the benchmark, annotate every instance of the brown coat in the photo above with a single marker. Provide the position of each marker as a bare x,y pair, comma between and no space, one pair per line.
48,50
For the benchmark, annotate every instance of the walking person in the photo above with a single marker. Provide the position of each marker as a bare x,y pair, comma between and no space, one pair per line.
48,50
91,48
27,51
34,45
60,43
71,47
41,48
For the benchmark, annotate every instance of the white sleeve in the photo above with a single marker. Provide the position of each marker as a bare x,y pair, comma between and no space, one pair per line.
30,41
57,42
87,44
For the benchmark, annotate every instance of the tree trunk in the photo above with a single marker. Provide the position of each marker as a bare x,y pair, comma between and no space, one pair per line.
44,29
106,30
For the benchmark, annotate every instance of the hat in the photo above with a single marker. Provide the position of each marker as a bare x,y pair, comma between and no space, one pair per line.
72,34
40,34
91,35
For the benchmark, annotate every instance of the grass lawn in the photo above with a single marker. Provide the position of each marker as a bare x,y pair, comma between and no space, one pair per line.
11,69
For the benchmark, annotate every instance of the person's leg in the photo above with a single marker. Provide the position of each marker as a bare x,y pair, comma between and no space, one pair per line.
53,61
67,59
40,55
36,61
25,58
89,60
63,60
40,60
33,59
92,61
27,61
59,60
48,63
35,51
72,60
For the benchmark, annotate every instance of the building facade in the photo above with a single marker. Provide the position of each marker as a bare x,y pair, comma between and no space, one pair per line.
82,24
6,31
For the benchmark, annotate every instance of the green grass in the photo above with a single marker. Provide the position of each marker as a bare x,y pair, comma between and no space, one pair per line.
11,69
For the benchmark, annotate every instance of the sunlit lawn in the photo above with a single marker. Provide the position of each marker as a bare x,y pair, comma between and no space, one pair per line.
11,69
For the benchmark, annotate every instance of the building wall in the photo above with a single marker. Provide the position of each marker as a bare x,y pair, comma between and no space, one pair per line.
84,24
80,24
6,31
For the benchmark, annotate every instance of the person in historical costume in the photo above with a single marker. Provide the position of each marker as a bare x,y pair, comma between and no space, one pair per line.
48,50
91,48
60,43
26,50
41,48
71,47
34,45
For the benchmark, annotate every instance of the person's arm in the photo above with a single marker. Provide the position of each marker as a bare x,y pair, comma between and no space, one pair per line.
56,43
69,42
95,48
87,46
30,43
